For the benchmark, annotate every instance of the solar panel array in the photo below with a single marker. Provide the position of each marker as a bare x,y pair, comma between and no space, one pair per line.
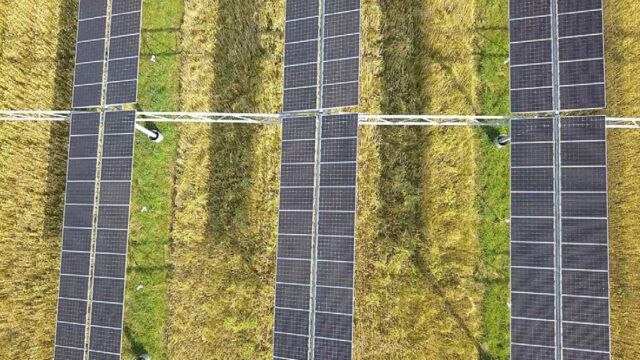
336,47
124,52
301,42
112,234
90,53
567,280
341,54
576,32
295,235
335,255
533,260
75,265
585,266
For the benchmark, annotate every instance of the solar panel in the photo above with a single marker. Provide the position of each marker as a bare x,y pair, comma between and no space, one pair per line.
581,55
531,61
293,263
76,237
341,56
301,55
124,52
112,233
336,237
585,298
533,289
90,52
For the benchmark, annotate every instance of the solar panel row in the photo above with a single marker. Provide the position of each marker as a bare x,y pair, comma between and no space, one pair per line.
90,52
585,280
301,55
335,237
578,37
112,234
533,317
124,52
341,54
77,236
295,233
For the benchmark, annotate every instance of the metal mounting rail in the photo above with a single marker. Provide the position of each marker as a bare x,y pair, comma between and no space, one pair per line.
273,119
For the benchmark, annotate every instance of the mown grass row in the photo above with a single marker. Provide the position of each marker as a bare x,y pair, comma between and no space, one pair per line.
36,47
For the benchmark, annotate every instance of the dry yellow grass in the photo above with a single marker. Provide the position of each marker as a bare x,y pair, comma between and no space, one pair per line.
221,291
623,96
36,43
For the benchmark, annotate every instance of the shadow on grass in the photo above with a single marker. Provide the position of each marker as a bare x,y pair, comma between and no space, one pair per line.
136,347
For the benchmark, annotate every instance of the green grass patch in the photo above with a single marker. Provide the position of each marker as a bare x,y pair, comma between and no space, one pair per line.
493,191
146,317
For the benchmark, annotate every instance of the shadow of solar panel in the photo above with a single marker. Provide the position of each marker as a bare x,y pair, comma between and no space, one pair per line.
78,215
586,310
116,169
584,231
84,123
532,230
584,336
117,145
123,6
76,239
92,29
292,321
105,339
125,24
112,241
292,296
62,353
533,255
110,265
523,352
533,306
123,92
585,283
74,287
533,280
332,349
290,346
334,300
334,274
73,311
108,290
71,335
333,326
109,315
80,193
123,69
92,8
88,73
90,51
87,95
584,355
113,217
533,332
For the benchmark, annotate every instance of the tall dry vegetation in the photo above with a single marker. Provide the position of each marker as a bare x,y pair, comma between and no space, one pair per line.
221,290
417,223
36,62
622,32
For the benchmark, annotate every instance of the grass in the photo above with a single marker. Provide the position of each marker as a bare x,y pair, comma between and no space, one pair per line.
493,192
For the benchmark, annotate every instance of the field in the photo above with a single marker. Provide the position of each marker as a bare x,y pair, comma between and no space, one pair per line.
432,236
